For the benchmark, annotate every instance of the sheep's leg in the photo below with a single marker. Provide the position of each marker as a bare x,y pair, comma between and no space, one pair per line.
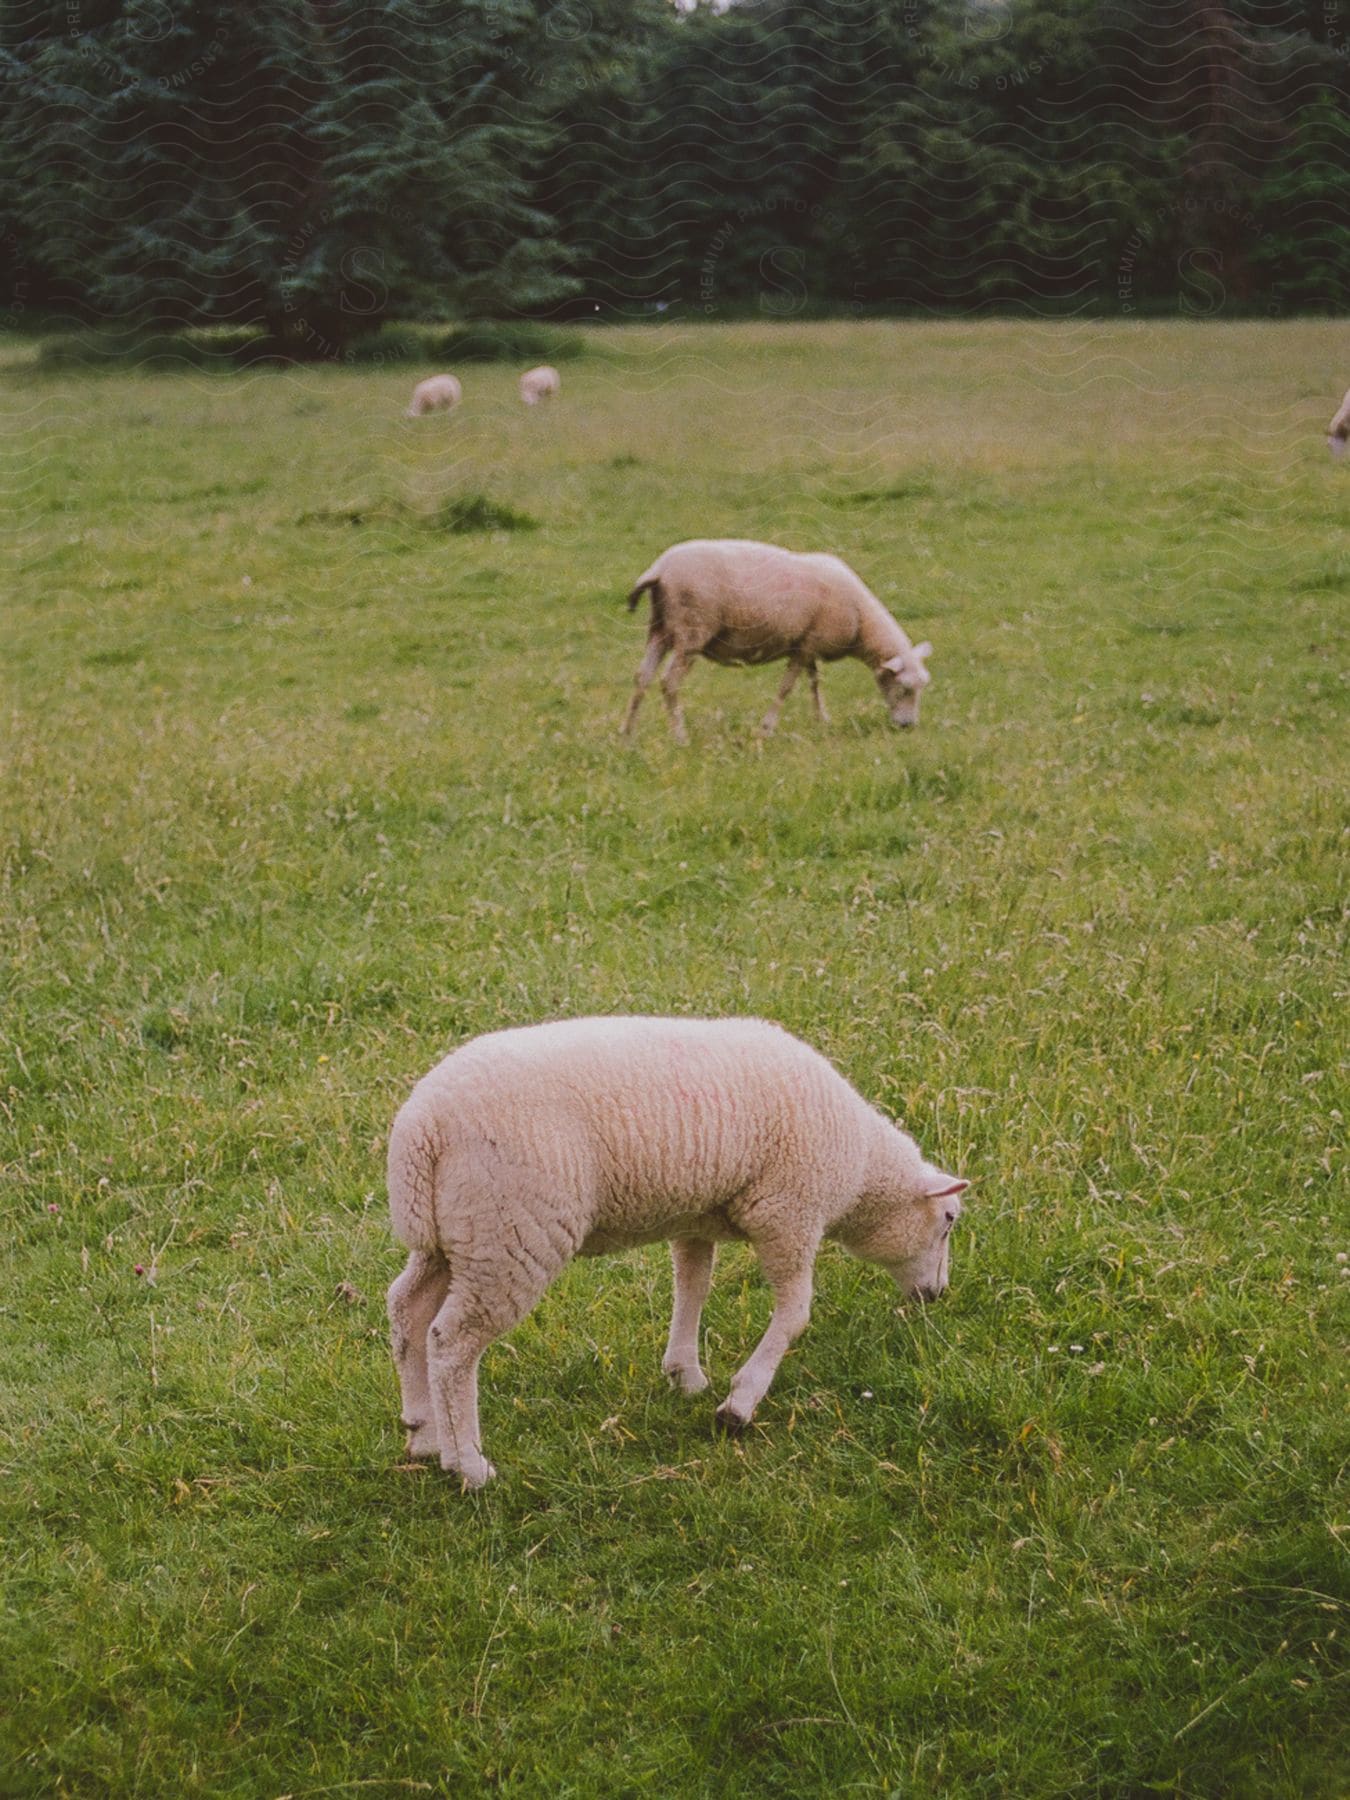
466,1324
693,1260
816,694
657,649
788,1270
458,1336
414,1299
676,670
789,681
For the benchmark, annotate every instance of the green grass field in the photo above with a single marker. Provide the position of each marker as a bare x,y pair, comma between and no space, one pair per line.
303,789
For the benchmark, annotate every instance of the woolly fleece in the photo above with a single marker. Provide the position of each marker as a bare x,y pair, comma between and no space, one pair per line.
527,1147
733,600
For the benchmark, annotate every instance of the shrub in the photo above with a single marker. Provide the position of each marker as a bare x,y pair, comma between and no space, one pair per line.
507,340
96,349
475,512
394,344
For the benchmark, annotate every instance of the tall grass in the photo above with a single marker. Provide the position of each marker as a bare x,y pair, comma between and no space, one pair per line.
292,810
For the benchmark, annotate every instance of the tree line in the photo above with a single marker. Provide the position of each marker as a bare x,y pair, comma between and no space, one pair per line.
318,169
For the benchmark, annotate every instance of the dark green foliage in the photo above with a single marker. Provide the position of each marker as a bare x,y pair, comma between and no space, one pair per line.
476,512
315,169
488,340
1047,154
319,169
160,351
217,349
459,514
1303,251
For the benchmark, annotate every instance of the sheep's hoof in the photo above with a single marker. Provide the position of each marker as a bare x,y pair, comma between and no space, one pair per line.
472,1478
724,1419
422,1442
688,1381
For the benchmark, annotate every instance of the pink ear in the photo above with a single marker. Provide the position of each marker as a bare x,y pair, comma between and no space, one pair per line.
923,649
938,1186
895,664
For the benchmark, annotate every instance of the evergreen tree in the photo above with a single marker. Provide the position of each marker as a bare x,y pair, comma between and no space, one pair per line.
315,167
595,176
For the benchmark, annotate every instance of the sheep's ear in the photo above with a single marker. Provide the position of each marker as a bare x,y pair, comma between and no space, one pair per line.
894,664
940,1186
923,649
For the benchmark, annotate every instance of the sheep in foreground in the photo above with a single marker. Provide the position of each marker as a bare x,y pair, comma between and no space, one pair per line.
539,384
1339,429
526,1148
438,393
736,601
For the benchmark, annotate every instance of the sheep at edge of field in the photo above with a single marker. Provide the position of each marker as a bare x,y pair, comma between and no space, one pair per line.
538,384
736,601
1339,429
527,1147
438,393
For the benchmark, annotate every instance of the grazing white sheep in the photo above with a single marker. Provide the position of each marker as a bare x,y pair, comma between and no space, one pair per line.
438,393
525,1148
1339,429
736,601
538,384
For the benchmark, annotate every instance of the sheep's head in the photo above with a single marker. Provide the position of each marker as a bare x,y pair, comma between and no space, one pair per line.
911,1240
902,679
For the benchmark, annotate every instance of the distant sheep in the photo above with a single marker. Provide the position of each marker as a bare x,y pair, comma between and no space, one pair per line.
539,384
526,1148
1339,429
735,601
438,393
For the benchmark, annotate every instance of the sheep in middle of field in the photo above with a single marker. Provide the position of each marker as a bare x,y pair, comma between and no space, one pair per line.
736,601
438,393
525,1148
543,383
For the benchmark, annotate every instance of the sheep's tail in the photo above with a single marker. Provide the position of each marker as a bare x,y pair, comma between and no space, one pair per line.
649,580
413,1153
